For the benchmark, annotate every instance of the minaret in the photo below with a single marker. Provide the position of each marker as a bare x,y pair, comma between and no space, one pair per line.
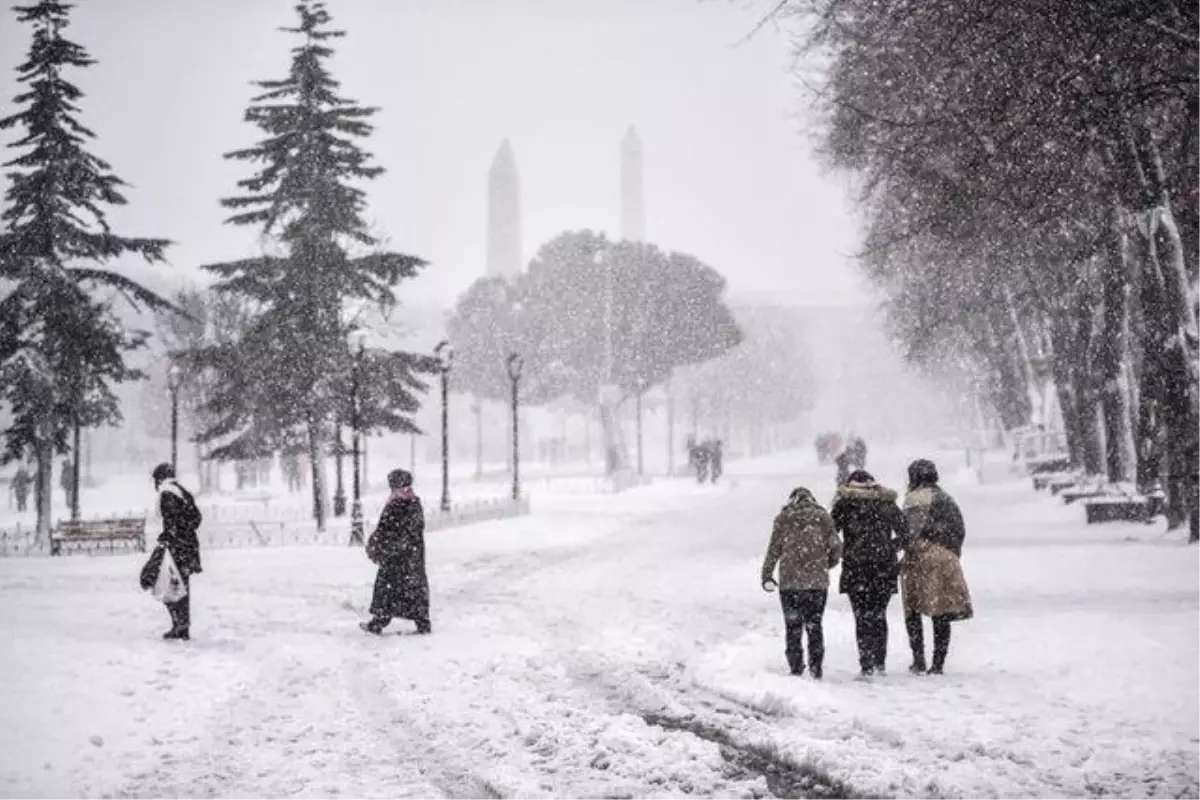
504,214
633,206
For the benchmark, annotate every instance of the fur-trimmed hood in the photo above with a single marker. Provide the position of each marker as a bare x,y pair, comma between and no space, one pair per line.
867,491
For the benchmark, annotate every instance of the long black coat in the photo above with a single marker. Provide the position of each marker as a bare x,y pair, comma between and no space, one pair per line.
398,547
873,530
181,519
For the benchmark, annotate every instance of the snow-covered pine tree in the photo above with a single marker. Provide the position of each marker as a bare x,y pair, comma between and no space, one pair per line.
287,369
61,348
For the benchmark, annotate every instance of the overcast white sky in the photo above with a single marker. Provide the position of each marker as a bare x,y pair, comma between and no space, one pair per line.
729,174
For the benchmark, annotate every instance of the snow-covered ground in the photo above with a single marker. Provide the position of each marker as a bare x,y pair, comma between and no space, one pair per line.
603,647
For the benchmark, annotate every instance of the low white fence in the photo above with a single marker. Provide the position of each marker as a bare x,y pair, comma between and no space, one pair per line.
232,527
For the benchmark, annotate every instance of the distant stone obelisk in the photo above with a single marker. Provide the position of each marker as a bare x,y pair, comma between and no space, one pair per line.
504,214
633,205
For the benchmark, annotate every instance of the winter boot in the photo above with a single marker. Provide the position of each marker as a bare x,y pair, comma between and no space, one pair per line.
816,671
371,628
941,645
424,626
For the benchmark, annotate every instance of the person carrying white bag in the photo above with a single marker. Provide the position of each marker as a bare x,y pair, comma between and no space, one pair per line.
169,587
167,574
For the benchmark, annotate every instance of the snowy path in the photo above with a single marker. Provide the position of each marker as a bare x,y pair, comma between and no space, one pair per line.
602,648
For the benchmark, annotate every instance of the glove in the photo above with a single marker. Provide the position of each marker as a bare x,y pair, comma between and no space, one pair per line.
769,585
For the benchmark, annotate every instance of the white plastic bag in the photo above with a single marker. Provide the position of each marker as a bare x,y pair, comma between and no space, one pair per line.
169,588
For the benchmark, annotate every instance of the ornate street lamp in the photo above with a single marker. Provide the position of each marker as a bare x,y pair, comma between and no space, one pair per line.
356,516
515,364
445,355
174,381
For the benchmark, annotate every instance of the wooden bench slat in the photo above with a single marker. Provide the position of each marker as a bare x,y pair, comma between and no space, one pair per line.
99,530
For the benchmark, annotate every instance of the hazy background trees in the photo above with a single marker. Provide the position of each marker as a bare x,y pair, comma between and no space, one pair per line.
1027,176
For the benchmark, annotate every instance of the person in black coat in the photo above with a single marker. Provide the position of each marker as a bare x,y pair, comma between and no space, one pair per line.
398,547
873,529
843,462
180,521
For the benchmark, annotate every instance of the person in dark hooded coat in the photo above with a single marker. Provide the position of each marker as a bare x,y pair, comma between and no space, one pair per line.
398,547
873,531
181,520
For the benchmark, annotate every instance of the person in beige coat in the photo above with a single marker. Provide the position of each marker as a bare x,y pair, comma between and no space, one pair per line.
931,575
805,546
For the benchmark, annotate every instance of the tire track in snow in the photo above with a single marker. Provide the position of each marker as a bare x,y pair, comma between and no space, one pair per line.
286,732
437,761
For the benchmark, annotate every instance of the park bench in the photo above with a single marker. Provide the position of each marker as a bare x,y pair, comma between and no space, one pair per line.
1048,464
128,530
1043,481
1124,509
1061,484
1070,496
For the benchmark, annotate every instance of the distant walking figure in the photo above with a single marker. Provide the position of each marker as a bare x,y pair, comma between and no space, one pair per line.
858,452
181,520
872,527
843,462
716,458
398,547
931,573
805,545
20,488
66,480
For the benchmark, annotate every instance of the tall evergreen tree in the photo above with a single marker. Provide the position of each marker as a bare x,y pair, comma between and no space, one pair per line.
288,368
61,348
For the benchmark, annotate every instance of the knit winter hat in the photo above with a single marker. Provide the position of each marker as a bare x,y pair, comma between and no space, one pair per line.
162,472
922,472
400,479
801,495
860,476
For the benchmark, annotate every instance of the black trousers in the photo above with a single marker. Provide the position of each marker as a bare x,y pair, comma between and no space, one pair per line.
181,610
916,639
803,611
871,628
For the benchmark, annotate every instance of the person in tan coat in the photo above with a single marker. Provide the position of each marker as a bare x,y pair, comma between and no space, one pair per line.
931,573
805,546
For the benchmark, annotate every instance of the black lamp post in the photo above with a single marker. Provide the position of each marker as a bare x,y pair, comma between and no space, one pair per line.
174,381
670,430
356,517
339,492
75,470
445,354
641,389
477,410
514,365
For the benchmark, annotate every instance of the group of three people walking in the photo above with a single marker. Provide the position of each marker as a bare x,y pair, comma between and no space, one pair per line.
881,546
